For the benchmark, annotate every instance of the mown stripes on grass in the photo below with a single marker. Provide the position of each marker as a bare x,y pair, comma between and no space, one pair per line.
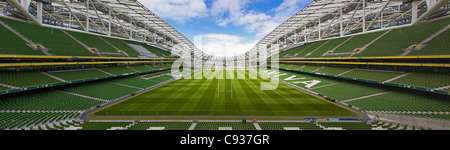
224,97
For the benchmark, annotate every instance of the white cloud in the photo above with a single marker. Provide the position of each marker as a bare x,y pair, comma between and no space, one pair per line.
223,44
180,11
234,12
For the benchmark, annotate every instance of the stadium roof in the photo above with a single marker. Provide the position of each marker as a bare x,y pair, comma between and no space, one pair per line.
320,19
333,18
129,19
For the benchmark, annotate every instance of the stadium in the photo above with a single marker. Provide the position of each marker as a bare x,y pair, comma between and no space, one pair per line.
116,65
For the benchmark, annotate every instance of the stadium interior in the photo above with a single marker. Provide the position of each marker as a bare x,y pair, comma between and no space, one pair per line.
111,65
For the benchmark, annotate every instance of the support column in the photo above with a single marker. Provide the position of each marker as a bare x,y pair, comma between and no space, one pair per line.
364,16
306,40
39,11
87,16
70,20
320,37
109,22
25,3
131,28
340,22
430,3
145,33
381,20
415,5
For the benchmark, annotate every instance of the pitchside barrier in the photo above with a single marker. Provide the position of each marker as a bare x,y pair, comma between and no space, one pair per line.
372,81
77,81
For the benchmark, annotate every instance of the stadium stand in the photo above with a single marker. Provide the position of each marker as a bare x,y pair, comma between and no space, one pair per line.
165,125
2,88
59,43
224,125
347,125
435,46
34,120
161,78
327,47
56,41
425,79
157,51
295,52
12,44
358,41
291,52
347,90
437,116
93,41
333,70
117,70
304,67
377,75
102,125
136,82
72,75
121,46
25,78
283,125
141,68
402,101
394,43
155,74
397,41
310,48
97,89
46,100
58,108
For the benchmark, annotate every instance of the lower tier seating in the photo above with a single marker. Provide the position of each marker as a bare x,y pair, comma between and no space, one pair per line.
73,75
425,79
101,89
47,100
287,125
161,125
224,126
402,101
33,120
25,78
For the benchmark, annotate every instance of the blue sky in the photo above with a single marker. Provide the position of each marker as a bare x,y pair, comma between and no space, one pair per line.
226,27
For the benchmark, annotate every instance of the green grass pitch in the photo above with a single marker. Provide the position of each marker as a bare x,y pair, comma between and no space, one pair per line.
224,97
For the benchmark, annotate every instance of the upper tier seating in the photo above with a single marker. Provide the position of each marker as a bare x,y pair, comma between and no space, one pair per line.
358,41
438,45
327,47
394,43
56,41
122,46
12,44
93,41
